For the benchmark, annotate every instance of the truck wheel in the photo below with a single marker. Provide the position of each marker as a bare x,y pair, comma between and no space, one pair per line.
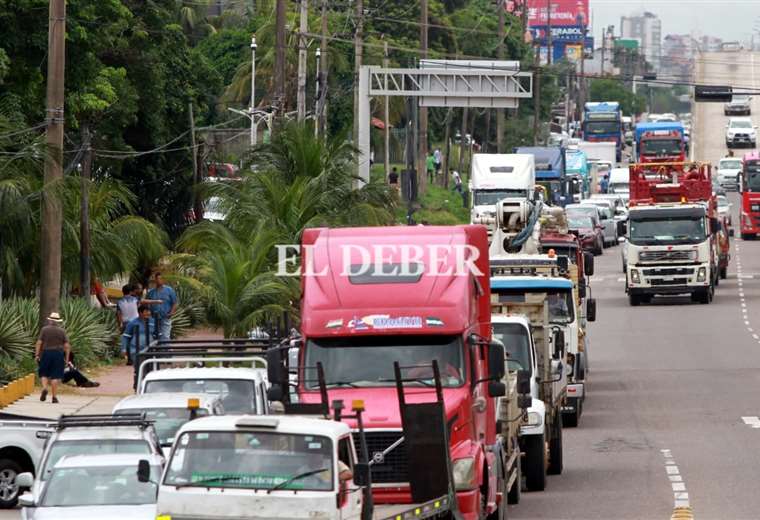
514,494
555,449
535,462
634,300
723,273
8,488
571,419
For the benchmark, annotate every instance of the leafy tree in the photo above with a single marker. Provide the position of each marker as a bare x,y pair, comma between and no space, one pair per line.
613,90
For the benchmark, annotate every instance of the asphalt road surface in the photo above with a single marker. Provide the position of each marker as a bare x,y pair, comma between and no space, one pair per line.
672,409
674,394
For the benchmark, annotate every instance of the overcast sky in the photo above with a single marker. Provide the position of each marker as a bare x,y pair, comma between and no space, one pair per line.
727,19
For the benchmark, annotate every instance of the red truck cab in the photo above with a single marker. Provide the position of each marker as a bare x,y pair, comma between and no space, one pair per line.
749,187
372,296
662,146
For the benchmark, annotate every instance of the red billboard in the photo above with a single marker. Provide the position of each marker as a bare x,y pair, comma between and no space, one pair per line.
563,12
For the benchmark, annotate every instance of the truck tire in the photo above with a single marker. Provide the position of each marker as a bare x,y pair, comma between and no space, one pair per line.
634,300
555,448
571,419
9,469
723,273
514,494
535,462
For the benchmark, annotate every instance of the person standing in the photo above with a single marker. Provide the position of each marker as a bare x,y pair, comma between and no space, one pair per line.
126,307
430,165
163,311
138,334
52,352
437,159
457,181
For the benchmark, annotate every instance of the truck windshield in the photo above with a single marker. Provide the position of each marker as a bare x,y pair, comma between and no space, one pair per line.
731,164
72,448
491,197
517,344
237,394
99,486
667,231
602,127
166,420
561,305
368,360
252,460
660,147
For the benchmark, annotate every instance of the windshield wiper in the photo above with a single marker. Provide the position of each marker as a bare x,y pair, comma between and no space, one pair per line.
341,383
208,481
296,477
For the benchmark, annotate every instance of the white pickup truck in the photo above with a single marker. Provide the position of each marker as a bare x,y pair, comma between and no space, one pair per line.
22,440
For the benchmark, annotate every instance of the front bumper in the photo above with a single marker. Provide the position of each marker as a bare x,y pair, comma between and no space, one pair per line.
668,279
739,111
740,140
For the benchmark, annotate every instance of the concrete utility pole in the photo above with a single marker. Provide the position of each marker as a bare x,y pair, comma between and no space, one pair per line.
549,43
502,56
322,106
198,202
302,57
358,58
84,215
52,212
317,94
386,116
279,58
423,111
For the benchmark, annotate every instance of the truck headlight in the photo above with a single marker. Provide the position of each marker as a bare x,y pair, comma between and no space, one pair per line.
534,419
464,474
702,274
635,276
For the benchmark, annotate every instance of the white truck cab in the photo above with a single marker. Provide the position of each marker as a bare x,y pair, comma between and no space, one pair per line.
169,411
260,467
495,177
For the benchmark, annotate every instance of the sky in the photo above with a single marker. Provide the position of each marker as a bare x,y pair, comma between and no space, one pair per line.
727,19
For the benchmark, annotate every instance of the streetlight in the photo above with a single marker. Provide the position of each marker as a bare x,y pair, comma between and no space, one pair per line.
253,88
316,97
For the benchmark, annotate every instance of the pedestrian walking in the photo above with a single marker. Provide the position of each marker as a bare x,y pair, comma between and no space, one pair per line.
437,159
430,165
163,312
457,181
52,352
138,334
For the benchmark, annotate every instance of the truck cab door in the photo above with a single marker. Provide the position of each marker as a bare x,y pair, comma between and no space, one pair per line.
350,498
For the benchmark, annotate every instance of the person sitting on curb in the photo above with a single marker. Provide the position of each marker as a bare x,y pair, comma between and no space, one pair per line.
72,372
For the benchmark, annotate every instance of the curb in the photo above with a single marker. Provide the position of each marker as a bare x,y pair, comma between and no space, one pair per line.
682,513
16,389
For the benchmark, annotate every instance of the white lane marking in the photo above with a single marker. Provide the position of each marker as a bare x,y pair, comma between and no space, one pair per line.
753,421
680,495
755,336
746,322
621,280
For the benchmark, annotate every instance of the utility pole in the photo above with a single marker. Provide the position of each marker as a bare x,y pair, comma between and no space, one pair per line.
423,112
386,115
52,213
536,103
317,94
549,43
253,92
502,56
358,58
322,106
604,48
279,58
84,216
198,202
302,57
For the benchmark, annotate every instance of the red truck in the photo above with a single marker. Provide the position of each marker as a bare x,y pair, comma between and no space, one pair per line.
749,187
375,296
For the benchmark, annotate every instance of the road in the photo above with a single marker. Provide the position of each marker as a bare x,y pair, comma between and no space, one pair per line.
672,376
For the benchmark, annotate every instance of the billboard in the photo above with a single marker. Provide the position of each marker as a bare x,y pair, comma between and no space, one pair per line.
563,12
564,33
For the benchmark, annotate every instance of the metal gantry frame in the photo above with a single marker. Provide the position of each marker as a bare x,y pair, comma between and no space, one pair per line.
441,83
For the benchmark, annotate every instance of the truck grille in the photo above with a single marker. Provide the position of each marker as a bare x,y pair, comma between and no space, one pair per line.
394,468
669,271
673,281
665,256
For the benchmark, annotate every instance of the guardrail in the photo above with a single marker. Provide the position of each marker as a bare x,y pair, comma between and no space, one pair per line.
16,389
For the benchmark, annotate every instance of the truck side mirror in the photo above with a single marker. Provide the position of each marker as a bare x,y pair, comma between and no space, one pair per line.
143,471
361,474
591,309
275,393
523,382
588,264
24,480
714,225
496,389
559,344
496,363
275,367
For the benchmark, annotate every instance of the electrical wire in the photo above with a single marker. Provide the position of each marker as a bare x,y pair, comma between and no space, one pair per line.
24,131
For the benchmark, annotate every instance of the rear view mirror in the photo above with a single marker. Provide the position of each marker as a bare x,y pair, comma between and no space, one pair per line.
591,309
275,393
497,389
24,480
588,264
143,471
496,364
559,343
276,371
523,382
362,474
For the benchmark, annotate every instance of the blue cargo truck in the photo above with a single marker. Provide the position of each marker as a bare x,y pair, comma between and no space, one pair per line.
551,173
603,122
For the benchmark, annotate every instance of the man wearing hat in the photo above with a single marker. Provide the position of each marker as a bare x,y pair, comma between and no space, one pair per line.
52,352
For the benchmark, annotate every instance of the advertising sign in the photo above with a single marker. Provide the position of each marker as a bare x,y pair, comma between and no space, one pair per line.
563,12
560,33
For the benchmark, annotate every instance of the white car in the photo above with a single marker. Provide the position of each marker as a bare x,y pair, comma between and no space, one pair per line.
169,411
724,209
740,132
729,169
97,487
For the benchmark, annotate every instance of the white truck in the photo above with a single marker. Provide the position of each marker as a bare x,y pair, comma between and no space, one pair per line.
599,151
495,177
22,440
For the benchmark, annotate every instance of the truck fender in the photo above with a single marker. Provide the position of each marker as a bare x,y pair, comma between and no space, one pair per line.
538,407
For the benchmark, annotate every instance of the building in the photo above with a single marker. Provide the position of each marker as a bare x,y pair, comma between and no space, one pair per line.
678,53
647,29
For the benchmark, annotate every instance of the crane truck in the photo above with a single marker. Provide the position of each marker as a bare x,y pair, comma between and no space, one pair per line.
673,225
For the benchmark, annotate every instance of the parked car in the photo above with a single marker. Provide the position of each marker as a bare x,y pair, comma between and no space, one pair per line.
607,218
589,233
740,132
22,441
